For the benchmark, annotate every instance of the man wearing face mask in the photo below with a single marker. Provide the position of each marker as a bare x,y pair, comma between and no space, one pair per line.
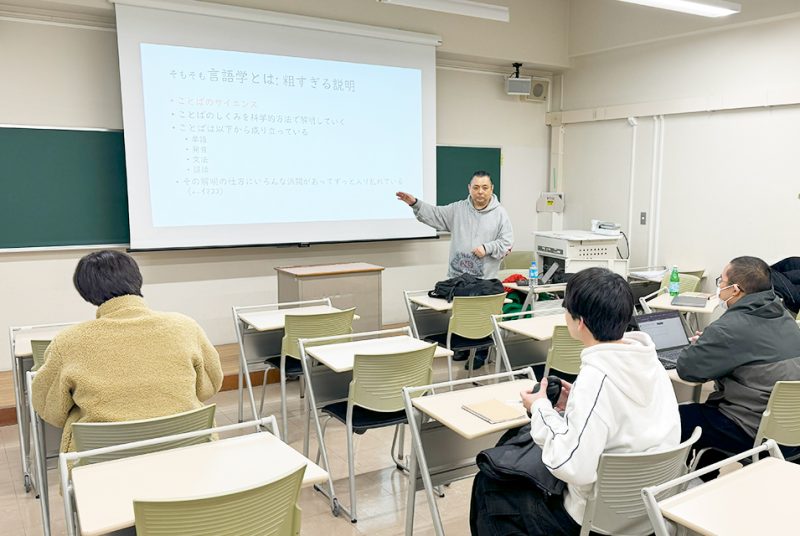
754,344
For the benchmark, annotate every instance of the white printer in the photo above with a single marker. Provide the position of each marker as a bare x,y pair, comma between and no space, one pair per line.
577,250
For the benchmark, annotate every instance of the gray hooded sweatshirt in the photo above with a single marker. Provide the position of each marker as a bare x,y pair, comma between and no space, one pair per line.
469,229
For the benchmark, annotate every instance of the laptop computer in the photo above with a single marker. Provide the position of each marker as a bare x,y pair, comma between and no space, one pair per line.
669,333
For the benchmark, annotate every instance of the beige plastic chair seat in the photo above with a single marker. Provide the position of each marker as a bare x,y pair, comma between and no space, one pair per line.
375,398
296,327
564,354
616,505
95,435
269,510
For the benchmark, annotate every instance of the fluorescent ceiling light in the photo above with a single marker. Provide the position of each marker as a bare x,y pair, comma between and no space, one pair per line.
704,8
467,8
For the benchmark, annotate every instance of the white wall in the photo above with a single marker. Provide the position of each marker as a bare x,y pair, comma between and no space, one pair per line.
729,179
69,77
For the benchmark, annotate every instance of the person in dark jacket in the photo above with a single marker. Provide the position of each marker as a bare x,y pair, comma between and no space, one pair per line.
754,344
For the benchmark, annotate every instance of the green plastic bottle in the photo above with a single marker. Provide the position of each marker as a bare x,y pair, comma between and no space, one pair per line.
674,282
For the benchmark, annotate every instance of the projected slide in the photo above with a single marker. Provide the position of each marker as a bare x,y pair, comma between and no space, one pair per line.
243,138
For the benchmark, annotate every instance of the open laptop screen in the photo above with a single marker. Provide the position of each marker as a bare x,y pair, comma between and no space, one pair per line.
665,328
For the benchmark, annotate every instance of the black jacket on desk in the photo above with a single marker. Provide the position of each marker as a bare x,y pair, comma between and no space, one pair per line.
751,346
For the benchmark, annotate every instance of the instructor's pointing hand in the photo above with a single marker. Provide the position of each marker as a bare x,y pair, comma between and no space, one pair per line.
408,199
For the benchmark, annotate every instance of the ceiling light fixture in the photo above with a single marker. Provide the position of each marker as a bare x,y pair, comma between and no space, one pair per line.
704,8
468,8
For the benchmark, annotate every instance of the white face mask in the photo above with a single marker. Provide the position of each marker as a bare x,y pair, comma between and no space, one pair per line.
723,304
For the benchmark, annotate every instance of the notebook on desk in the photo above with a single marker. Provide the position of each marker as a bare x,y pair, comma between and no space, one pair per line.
669,334
494,411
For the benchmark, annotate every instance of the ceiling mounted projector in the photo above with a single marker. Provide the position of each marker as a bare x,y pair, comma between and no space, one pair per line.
516,84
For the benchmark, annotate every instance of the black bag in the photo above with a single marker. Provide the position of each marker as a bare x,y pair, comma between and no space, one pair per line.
517,458
466,285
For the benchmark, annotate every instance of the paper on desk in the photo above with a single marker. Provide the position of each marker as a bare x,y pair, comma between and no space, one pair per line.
495,411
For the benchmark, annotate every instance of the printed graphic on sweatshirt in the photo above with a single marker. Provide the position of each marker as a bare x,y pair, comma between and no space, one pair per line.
467,263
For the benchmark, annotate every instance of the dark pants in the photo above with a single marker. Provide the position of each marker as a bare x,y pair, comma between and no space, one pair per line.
719,433
514,509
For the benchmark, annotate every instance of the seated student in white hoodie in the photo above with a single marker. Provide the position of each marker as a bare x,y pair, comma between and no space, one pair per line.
622,401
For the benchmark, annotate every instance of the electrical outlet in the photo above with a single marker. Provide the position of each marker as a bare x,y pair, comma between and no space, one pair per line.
643,218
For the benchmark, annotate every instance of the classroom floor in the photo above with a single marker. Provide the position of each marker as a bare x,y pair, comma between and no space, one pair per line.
380,487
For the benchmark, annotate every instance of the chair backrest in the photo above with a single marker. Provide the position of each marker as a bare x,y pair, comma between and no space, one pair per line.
269,509
472,315
38,348
311,326
781,419
564,354
95,435
688,282
518,260
616,505
378,379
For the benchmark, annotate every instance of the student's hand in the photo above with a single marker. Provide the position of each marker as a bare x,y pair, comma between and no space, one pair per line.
529,397
479,251
566,387
408,199
696,336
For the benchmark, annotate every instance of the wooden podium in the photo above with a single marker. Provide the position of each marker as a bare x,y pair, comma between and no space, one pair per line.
354,284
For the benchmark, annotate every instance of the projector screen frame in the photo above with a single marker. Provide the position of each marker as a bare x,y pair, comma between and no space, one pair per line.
145,232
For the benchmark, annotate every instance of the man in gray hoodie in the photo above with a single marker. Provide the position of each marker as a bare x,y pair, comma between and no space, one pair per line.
481,230
754,344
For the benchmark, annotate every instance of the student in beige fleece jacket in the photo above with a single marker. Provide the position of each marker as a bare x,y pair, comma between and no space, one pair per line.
130,363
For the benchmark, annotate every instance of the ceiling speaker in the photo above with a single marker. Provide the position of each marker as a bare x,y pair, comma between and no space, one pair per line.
540,90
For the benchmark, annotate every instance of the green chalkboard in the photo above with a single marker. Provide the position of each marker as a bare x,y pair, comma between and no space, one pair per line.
454,168
68,187
62,188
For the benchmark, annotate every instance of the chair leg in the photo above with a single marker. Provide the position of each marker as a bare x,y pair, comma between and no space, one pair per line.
263,393
397,442
351,471
324,427
302,386
284,409
470,362
307,437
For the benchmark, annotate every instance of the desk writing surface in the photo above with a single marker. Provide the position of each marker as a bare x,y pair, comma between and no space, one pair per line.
538,289
663,302
104,492
539,327
330,269
760,498
271,320
23,338
437,304
340,357
447,407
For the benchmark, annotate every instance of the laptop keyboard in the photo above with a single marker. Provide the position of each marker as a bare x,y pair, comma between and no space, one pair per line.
669,358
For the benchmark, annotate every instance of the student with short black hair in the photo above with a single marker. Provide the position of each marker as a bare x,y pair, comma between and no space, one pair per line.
621,402
130,363
754,344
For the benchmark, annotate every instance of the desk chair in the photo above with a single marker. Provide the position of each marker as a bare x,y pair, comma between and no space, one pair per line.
470,327
375,398
270,509
564,354
615,505
516,262
95,435
38,348
688,283
302,327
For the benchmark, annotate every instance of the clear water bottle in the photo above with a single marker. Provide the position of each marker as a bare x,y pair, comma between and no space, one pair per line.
533,274
674,282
